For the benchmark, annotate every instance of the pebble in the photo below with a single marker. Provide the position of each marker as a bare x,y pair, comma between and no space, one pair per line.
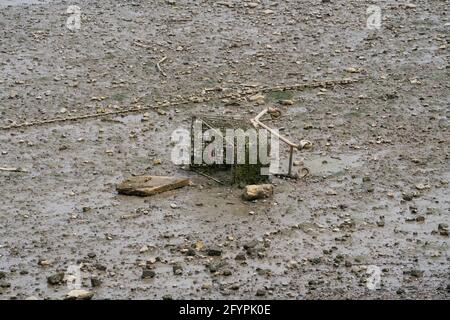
443,229
214,252
56,278
96,282
240,256
79,294
147,274
260,293
177,269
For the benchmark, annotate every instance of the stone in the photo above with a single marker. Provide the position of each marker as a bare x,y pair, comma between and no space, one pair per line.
44,263
144,186
407,196
260,293
147,274
287,102
240,257
79,294
227,272
214,252
96,282
443,229
177,269
214,267
191,252
254,192
56,278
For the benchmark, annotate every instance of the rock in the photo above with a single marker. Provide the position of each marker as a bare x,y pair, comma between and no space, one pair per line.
420,219
422,186
4,284
100,267
44,263
2,274
240,257
206,286
250,244
400,291
443,229
214,267
79,294
167,297
414,273
353,70
177,269
407,196
149,185
56,278
287,102
96,282
227,272
260,293
148,274
258,98
253,192
191,252
214,252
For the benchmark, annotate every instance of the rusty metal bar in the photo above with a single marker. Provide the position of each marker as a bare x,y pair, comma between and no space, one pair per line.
256,122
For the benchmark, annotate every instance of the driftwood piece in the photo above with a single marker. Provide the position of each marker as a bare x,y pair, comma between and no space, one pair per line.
144,186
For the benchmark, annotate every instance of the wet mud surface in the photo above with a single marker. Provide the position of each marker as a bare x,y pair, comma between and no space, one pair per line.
378,188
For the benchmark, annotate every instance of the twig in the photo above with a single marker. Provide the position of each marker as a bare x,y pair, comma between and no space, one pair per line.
207,176
13,169
158,65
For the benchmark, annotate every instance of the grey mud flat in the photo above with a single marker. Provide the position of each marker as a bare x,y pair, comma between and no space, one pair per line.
378,188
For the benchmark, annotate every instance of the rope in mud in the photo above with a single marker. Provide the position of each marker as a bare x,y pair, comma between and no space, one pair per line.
185,100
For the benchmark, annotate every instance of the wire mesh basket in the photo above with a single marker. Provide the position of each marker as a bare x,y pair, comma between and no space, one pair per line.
217,151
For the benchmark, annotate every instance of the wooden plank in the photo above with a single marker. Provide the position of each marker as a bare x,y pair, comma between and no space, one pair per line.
144,186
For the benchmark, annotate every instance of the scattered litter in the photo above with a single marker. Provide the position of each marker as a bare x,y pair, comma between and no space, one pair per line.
149,185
